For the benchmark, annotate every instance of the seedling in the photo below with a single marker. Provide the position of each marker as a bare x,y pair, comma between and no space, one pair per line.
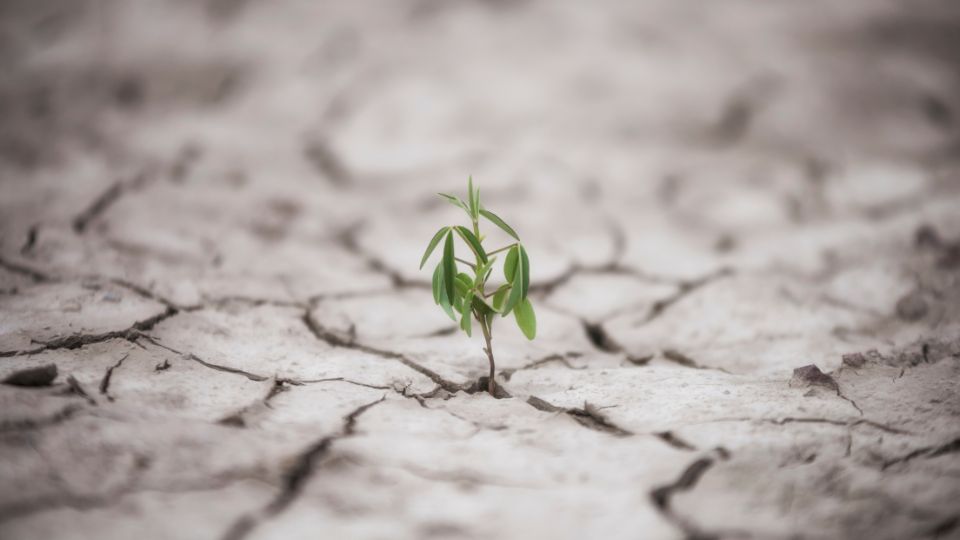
460,294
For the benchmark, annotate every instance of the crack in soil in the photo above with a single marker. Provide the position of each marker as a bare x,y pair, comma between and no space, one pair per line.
238,419
679,358
545,288
815,420
75,388
280,383
673,440
306,466
105,381
347,239
686,288
325,160
146,293
926,452
31,239
334,340
253,302
76,341
810,375
190,356
589,416
662,496
598,336
108,198
558,358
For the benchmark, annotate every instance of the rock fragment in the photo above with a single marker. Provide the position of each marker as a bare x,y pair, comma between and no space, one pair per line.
33,377
812,376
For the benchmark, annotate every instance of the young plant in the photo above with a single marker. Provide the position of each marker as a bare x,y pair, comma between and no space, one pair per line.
463,295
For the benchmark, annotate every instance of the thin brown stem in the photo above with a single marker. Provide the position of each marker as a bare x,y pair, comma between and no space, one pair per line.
480,317
489,350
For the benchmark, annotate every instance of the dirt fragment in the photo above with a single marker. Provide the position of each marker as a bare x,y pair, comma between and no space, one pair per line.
812,376
33,377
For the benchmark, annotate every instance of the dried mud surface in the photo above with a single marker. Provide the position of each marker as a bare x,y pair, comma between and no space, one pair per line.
744,219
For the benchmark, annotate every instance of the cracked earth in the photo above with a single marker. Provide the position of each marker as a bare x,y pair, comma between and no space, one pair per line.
743,217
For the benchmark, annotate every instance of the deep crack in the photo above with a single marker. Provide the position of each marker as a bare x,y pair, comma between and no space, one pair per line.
599,337
662,496
305,466
589,416
76,341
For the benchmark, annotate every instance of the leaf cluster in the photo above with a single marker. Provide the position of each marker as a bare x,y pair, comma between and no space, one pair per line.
463,294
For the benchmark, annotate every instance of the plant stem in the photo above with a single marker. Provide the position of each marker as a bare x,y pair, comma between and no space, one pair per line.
489,350
482,319
468,263
504,248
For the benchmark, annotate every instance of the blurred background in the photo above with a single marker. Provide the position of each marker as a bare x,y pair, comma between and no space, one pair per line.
291,149
720,123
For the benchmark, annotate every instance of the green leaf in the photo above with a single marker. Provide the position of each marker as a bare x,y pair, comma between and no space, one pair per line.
433,244
481,304
472,241
526,318
472,200
500,296
516,287
510,263
463,283
449,266
443,299
457,301
526,272
437,284
495,219
465,313
456,202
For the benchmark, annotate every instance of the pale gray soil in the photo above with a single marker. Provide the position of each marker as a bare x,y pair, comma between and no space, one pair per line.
211,216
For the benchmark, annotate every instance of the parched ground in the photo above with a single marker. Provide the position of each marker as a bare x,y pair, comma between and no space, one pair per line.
743,217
